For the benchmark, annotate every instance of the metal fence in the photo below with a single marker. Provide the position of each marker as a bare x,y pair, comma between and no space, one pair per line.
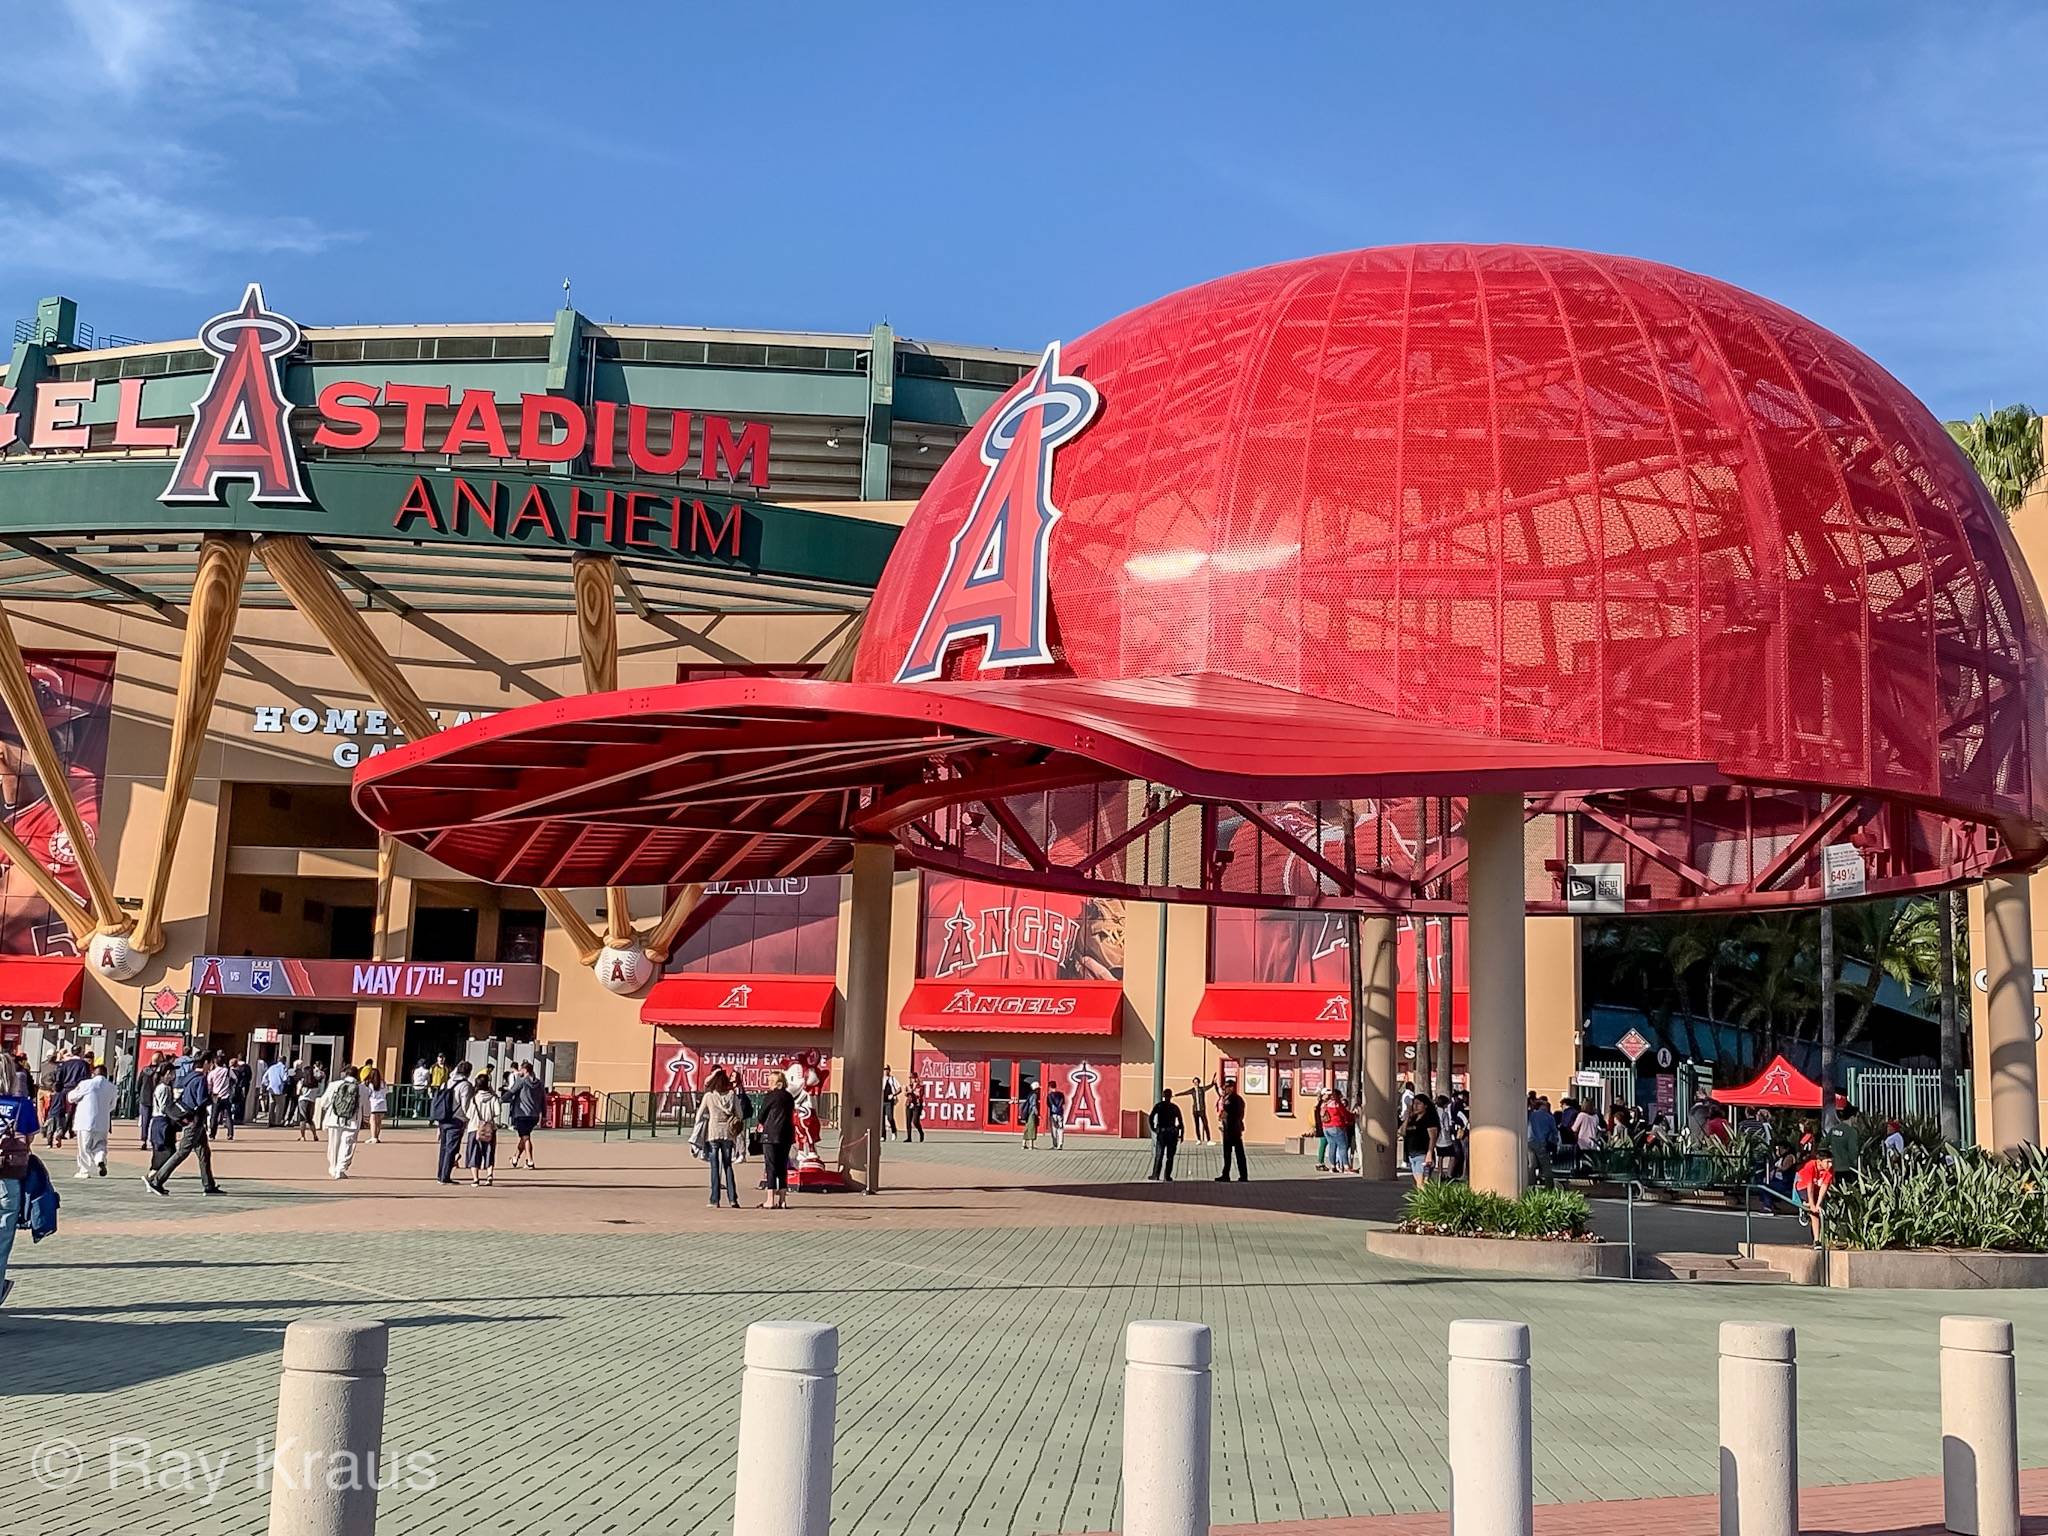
1899,1093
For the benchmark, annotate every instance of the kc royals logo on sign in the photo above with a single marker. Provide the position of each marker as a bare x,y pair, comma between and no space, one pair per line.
994,584
241,425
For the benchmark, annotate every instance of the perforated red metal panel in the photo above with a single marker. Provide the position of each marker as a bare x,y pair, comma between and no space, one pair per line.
1540,495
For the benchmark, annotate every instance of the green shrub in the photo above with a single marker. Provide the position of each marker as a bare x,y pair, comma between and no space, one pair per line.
1971,1199
1461,1210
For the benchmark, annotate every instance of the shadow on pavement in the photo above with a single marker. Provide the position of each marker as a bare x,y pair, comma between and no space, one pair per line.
50,1357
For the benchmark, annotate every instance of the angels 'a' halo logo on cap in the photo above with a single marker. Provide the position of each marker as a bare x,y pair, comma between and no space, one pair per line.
994,585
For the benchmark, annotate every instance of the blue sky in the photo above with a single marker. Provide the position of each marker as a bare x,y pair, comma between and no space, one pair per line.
1003,174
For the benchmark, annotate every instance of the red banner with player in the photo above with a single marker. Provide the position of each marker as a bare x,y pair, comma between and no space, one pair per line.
74,694
975,931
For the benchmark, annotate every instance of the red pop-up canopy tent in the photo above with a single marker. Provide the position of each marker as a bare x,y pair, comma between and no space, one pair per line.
1780,1085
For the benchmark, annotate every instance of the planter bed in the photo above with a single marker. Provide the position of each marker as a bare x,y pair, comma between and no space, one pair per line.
1908,1269
1513,1255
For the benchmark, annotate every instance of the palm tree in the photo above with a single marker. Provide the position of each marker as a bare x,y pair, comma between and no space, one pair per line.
1900,939
2006,449
1774,990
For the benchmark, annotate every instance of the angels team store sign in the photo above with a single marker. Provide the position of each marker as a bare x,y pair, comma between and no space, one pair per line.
241,431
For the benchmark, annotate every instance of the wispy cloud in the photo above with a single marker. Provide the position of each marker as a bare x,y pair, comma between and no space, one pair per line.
119,174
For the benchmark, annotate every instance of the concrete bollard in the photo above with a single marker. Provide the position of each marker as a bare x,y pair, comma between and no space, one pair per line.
1980,1436
1491,1441
1166,1429
324,1466
787,1404
1759,1430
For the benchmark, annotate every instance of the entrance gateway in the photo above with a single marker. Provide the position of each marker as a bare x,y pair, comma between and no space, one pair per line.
1677,599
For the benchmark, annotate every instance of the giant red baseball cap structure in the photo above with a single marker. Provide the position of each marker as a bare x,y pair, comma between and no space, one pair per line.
1226,587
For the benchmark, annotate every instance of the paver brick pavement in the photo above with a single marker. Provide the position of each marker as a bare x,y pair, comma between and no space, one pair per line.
570,1374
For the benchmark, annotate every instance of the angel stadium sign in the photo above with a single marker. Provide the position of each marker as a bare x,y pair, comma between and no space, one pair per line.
555,471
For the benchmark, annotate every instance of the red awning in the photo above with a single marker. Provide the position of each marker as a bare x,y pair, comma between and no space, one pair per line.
1013,1007
1231,1010
1779,1086
741,1002
41,981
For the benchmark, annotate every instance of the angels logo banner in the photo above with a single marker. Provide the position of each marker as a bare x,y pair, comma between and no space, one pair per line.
976,931
74,694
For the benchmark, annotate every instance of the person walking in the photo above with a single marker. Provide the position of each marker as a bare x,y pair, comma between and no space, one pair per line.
913,1109
18,1125
277,1088
1027,1113
92,1117
220,1100
1167,1126
188,1112
778,1134
1230,1111
46,1095
1542,1141
1056,1116
1418,1137
339,1112
306,1091
378,1100
891,1092
448,1108
1199,1092
525,1103
482,1119
1336,1118
718,1123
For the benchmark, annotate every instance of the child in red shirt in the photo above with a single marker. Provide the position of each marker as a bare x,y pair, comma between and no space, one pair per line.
1816,1177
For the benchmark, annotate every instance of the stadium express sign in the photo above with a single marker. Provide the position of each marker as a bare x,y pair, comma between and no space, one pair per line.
241,432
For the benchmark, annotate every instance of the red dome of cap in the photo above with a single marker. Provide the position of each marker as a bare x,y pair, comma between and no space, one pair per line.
1534,495
1272,566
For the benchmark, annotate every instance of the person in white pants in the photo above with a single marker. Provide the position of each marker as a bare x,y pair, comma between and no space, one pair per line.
92,1116
340,1110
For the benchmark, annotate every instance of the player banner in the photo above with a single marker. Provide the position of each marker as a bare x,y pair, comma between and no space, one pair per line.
74,695
365,980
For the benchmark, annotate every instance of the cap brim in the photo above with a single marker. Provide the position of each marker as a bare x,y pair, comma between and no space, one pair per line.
756,777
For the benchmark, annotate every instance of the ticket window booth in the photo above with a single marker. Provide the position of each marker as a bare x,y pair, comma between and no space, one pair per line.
1006,1080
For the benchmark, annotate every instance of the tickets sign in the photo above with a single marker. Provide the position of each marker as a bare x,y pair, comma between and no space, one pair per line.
431,981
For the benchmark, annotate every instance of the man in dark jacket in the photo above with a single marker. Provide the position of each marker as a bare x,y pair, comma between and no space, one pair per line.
74,1069
190,1110
450,1107
1166,1133
1233,1131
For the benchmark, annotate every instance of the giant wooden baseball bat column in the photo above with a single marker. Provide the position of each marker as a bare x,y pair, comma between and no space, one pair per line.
867,1012
2009,1015
1499,1051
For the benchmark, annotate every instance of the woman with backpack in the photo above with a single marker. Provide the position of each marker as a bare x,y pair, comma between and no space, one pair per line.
483,1132
340,1112
18,1122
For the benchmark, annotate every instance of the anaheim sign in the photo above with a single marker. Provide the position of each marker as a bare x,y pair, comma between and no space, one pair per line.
241,431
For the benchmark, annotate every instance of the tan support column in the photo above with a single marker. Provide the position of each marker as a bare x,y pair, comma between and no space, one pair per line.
864,1026
311,590
380,1027
2009,1012
596,581
19,695
1379,1105
209,631
1499,1051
